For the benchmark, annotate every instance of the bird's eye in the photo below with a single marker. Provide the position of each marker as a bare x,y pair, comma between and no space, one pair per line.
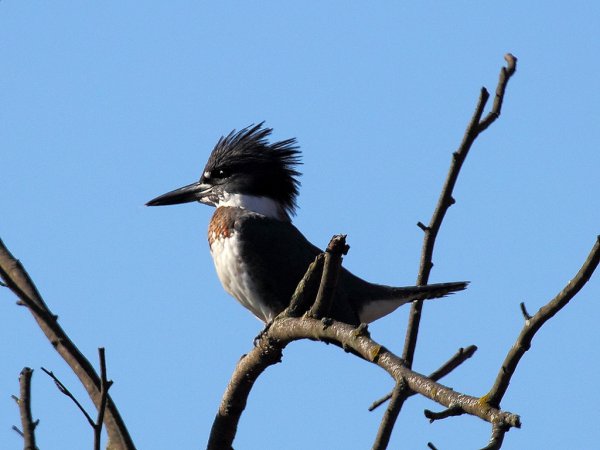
220,173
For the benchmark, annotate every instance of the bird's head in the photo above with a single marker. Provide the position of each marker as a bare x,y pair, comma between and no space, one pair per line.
245,170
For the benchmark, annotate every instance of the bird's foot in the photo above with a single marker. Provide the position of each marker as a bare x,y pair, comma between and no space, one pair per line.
264,331
326,321
361,330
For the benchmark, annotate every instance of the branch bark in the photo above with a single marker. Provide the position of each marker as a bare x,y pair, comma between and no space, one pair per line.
283,330
456,360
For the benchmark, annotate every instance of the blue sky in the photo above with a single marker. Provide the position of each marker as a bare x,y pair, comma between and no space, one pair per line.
104,105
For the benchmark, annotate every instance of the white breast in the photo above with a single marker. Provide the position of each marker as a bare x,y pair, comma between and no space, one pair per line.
235,277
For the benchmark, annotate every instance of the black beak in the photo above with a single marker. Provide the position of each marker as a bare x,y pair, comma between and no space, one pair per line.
195,192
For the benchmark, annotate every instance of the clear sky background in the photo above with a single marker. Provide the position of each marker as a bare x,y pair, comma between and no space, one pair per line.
104,105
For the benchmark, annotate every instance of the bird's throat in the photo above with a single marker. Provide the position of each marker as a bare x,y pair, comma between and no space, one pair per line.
264,206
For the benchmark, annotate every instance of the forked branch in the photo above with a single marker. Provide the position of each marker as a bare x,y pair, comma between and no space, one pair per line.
283,330
105,385
476,126
531,326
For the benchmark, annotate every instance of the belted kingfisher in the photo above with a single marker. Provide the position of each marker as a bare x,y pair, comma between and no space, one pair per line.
259,255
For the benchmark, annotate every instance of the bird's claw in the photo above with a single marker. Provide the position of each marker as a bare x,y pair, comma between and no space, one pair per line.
264,331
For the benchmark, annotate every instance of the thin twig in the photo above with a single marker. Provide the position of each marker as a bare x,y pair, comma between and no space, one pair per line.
531,326
505,74
64,390
306,290
331,269
380,401
105,385
27,423
16,278
457,359
448,412
526,314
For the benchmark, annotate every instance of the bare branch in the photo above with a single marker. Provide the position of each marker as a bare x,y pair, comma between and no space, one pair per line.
422,226
457,359
448,412
283,330
505,74
24,401
531,326
333,262
16,278
526,314
475,127
265,353
377,403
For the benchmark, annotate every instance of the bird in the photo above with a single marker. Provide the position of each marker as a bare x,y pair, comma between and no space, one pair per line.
259,255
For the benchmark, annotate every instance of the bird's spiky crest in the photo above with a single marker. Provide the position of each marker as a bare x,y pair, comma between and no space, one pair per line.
249,151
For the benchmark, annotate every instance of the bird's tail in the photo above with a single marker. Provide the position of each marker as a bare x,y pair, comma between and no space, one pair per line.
386,299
